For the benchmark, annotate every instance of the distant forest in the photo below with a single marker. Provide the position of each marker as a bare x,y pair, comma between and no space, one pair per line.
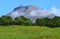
23,21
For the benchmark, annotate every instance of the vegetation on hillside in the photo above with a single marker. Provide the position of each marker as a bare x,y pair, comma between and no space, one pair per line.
7,20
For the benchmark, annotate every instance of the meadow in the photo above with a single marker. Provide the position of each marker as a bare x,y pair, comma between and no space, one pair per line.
29,32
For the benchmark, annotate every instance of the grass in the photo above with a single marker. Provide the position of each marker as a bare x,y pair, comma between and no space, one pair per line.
29,32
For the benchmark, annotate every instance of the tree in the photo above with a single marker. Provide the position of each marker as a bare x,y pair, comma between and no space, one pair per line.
45,22
5,20
57,21
23,21
40,22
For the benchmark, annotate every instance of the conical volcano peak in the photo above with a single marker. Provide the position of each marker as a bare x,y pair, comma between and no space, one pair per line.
32,12
33,7
29,7
20,6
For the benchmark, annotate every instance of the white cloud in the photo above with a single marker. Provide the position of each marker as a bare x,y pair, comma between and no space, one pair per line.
39,13
55,11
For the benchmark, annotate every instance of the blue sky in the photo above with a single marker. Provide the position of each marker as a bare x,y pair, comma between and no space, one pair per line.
7,6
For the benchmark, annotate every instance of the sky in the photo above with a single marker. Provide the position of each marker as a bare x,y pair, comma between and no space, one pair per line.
52,6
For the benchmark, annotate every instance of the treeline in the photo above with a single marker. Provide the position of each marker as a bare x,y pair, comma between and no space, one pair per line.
7,20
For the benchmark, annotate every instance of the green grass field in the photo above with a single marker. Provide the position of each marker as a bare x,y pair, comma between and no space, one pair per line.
29,32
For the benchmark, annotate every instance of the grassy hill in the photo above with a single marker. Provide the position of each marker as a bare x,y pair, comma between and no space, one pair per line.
29,32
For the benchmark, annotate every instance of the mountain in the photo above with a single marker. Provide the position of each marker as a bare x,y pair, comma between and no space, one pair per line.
31,12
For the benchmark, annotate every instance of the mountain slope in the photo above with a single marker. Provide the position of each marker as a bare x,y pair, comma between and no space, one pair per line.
31,12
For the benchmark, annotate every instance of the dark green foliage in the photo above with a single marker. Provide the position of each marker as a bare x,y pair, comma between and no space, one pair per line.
40,22
55,22
7,20
28,23
23,21
13,22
